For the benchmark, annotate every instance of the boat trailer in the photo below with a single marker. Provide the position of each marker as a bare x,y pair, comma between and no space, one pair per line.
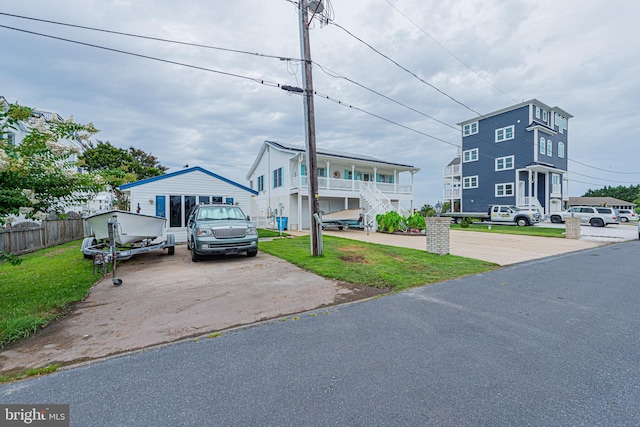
108,252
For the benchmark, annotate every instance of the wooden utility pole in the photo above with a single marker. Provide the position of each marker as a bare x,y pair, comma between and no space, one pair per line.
310,132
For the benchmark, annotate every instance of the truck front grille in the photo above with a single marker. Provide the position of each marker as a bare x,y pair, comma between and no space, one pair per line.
229,232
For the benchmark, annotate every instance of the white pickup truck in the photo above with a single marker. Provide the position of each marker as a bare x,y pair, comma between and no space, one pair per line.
500,213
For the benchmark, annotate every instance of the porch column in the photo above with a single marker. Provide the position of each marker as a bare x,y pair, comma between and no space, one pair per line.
300,172
328,177
375,177
299,210
353,176
395,181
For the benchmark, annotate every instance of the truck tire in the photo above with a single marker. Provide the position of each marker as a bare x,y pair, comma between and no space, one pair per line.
522,222
457,220
556,219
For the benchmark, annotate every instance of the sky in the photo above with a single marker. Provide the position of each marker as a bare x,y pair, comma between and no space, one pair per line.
412,70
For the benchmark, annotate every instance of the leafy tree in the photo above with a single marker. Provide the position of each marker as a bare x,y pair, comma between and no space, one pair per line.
40,174
118,166
629,194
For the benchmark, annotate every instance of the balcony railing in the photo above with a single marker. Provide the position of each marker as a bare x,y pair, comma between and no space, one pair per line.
452,170
340,184
452,192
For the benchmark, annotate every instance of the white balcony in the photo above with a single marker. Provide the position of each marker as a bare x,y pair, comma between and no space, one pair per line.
452,170
354,186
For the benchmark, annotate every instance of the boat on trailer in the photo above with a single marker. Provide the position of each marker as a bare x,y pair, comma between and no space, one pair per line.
118,235
132,227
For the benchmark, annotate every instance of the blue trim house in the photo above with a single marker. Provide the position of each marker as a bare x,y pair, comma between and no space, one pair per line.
516,155
171,195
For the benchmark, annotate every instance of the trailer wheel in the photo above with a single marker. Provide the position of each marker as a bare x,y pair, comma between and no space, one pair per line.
88,242
457,220
171,250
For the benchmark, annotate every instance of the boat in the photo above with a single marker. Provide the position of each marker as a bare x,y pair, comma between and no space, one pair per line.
131,227
348,218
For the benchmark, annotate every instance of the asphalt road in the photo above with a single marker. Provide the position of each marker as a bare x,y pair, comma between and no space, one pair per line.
552,342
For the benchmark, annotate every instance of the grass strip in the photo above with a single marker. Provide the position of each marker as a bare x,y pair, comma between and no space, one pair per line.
513,229
381,266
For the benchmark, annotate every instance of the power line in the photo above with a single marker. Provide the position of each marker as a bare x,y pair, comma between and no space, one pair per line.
273,84
204,46
261,81
290,60
450,52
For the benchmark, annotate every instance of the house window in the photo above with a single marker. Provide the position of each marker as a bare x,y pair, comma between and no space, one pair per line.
206,199
261,183
537,112
470,181
543,146
217,199
504,190
470,129
549,148
277,178
544,116
303,169
470,155
561,149
10,138
322,172
388,179
504,163
504,134
348,174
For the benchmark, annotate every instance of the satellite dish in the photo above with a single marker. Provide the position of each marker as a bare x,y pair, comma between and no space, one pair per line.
315,6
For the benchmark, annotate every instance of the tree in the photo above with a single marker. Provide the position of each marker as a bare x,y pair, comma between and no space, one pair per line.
40,175
118,166
628,194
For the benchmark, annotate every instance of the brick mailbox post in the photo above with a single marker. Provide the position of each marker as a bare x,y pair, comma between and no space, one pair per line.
438,235
572,226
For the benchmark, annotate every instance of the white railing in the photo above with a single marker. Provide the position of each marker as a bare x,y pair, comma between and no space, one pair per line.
452,192
350,185
530,202
452,170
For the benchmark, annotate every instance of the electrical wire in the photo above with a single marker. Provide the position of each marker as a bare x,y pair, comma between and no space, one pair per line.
450,52
267,83
261,81
204,46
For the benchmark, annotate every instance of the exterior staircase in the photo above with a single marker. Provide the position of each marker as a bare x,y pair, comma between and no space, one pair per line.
375,202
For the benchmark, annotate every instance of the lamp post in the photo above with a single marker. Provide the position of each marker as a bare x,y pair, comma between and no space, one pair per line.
438,208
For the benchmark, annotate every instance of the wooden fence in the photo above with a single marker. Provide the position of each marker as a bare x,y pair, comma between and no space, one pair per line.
27,237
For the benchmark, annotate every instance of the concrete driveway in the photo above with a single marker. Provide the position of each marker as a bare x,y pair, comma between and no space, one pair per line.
168,298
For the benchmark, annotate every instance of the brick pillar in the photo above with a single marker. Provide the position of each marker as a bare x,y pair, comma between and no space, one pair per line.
572,228
438,235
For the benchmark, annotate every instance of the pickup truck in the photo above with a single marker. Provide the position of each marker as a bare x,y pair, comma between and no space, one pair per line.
500,213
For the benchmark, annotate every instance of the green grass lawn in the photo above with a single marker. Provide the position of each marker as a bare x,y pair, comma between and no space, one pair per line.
41,289
512,229
387,267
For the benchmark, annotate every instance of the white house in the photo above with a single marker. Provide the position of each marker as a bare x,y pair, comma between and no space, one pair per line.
172,194
345,181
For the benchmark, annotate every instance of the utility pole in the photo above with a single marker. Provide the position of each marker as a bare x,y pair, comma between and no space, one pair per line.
310,131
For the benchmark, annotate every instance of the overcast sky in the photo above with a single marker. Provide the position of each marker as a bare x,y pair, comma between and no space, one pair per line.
470,57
